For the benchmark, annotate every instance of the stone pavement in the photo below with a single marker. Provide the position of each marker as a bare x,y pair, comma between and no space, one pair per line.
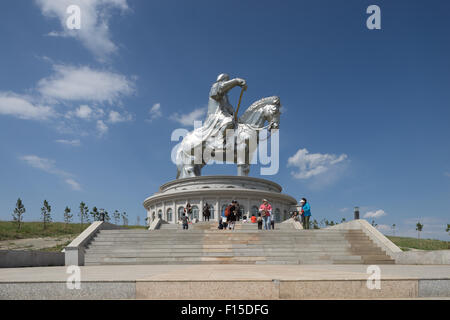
227,282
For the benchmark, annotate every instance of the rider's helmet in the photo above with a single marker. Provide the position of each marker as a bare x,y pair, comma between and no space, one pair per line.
223,77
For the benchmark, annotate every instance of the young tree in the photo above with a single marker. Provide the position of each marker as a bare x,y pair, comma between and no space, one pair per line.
343,220
125,218
393,229
45,213
83,214
315,224
18,213
374,224
95,214
448,228
116,216
419,228
104,215
67,216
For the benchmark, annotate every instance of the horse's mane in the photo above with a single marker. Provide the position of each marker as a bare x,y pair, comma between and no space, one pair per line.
257,105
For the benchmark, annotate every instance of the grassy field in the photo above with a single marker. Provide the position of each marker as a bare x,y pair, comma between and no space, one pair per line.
8,230
422,244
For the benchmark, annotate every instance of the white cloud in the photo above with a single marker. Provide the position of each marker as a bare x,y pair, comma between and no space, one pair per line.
383,227
95,16
313,164
19,106
102,127
375,214
73,184
74,143
155,112
49,166
83,112
69,83
116,117
188,119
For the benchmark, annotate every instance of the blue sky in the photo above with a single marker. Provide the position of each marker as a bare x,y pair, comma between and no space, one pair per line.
87,115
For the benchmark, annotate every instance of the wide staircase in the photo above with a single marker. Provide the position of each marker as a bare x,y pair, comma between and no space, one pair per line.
203,243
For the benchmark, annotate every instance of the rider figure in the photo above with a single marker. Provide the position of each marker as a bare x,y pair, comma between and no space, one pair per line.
218,100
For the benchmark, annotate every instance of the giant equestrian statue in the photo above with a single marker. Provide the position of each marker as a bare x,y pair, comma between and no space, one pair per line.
223,131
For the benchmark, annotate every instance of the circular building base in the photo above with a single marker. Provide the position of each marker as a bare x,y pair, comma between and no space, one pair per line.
217,191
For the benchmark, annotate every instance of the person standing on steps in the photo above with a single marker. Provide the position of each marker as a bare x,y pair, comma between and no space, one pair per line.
260,221
185,221
188,211
232,215
266,212
306,212
206,212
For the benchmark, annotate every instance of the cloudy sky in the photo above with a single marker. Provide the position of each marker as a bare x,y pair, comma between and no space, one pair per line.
87,115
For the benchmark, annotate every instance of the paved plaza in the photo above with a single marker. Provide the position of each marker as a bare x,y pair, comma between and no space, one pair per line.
227,282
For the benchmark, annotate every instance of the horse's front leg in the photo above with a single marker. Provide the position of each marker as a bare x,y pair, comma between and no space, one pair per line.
243,170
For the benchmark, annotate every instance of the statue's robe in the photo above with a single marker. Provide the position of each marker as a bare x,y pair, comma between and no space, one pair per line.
219,118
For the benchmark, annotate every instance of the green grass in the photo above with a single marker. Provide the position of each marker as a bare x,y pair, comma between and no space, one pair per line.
57,248
8,230
423,244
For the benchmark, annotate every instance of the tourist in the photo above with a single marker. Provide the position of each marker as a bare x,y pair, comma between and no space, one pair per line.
237,210
188,211
231,219
206,212
253,219
306,213
266,211
272,223
220,227
260,221
185,221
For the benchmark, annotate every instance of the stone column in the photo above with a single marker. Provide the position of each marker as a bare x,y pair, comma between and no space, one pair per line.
200,213
174,212
164,213
217,209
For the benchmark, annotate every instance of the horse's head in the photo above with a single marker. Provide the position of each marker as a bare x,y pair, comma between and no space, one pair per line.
266,109
272,112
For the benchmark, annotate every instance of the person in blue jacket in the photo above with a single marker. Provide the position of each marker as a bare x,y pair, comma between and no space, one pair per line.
306,212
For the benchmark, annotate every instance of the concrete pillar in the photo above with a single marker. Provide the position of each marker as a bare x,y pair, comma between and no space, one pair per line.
200,210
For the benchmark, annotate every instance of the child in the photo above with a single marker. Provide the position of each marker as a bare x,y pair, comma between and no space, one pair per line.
260,221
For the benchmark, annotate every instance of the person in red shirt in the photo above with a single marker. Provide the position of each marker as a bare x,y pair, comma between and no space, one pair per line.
266,212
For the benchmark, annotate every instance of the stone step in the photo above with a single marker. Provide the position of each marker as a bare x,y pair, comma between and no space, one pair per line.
227,244
217,259
313,256
170,231
203,244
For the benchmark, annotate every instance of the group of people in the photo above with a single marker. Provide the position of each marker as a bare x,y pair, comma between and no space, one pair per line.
304,214
187,215
264,216
233,213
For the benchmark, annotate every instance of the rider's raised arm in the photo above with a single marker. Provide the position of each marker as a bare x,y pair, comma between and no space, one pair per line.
230,84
